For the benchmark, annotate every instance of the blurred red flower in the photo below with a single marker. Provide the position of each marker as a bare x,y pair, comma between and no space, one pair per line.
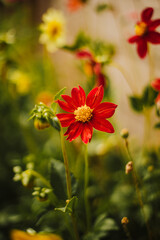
85,113
74,5
156,85
92,66
145,32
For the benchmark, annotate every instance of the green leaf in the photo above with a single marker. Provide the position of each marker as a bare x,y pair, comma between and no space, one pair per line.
58,179
102,6
148,97
57,96
104,224
157,125
70,206
101,228
54,107
136,103
80,41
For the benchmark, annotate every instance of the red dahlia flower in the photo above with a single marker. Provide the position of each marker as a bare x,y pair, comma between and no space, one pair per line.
85,113
92,67
156,86
145,32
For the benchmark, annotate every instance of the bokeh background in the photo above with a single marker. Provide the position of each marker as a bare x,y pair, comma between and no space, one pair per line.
27,72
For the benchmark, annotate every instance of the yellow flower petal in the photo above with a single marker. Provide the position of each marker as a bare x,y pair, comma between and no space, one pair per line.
20,235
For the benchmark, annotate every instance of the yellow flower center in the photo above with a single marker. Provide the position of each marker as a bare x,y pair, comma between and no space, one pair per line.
83,114
54,29
141,29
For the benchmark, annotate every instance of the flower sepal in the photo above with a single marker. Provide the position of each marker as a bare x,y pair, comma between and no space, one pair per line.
70,206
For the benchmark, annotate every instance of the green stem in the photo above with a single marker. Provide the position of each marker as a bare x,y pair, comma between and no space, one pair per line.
86,177
147,126
151,65
127,232
123,72
65,158
135,179
38,175
147,110
68,180
74,222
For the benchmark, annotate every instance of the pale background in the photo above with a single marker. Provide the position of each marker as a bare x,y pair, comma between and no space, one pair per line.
113,27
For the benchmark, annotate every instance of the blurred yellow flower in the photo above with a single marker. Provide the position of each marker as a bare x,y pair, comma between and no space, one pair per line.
52,30
21,81
20,235
8,37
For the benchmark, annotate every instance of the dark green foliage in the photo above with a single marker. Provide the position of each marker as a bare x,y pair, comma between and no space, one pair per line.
58,179
146,100
136,103
157,125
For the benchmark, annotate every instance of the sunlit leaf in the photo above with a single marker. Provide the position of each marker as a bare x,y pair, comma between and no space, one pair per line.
70,206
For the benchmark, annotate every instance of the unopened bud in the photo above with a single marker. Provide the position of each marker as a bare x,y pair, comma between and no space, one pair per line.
124,221
124,133
41,124
129,167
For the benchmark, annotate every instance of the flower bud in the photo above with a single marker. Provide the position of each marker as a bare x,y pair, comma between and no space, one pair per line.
27,179
41,124
129,167
41,193
124,133
44,117
125,220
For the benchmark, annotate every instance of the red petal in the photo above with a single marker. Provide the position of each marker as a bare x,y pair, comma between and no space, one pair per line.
158,98
65,106
154,24
153,37
84,54
142,48
79,96
66,119
101,80
156,84
97,68
94,97
104,110
133,39
74,5
74,131
87,132
102,124
70,101
147,14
